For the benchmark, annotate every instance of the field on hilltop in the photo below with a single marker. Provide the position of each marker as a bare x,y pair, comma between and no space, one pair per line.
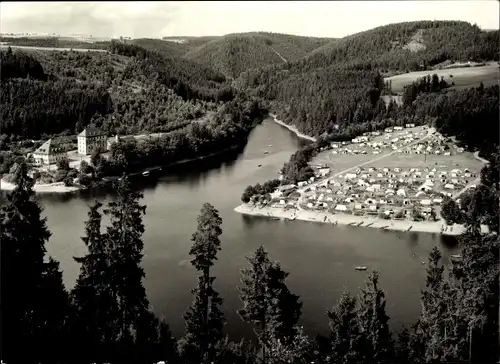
461,77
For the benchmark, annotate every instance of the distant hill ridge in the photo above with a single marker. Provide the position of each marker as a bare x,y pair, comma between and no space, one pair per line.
406,46
410,46
397,47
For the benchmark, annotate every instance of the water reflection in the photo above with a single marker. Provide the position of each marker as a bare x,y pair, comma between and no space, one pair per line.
412,239
449,241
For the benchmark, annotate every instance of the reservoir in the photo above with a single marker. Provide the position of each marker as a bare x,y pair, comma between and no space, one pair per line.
319,257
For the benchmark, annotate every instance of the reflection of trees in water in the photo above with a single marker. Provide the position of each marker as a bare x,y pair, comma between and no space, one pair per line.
249,221
192,173
198,171
413,239
449,241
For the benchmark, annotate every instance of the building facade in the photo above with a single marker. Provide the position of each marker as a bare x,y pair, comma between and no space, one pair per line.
49,153
90,140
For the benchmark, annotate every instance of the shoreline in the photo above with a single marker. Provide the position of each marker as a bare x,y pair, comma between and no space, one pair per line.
59,187
292,128
324,217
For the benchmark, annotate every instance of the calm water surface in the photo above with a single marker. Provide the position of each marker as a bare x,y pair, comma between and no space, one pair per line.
320,258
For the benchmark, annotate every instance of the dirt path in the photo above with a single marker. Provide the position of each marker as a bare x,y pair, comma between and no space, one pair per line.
279,55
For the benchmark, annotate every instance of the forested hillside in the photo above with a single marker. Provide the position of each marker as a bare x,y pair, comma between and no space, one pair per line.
318,101
235,53
409,46
131,90
165,48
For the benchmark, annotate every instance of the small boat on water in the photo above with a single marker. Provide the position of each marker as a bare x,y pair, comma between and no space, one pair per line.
145,173
266,152
259,165
360,268
270,145
455,256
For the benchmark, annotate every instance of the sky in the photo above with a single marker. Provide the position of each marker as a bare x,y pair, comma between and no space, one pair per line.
178,18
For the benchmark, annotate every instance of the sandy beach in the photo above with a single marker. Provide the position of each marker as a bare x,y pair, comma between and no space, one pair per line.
293,129
438,227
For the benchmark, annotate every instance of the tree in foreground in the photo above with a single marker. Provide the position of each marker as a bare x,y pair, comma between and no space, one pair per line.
229,352
204,319
345,333
359,329
374,321
268,303
125,247
298,350
474,283
130,332
96,310
31,322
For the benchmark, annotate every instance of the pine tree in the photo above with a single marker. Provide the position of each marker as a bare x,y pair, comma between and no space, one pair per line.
480,293
267,301
96,310
373,321
56,312
26,277
125,255
345,335
167,344
298,350
253,293
229,352
154,341
287,308
441,333
204,319
431,319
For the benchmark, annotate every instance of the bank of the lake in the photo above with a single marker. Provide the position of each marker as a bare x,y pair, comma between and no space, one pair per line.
320,257
292,128
434,227
60,187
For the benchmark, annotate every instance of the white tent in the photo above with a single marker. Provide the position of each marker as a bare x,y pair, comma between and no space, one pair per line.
341,208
